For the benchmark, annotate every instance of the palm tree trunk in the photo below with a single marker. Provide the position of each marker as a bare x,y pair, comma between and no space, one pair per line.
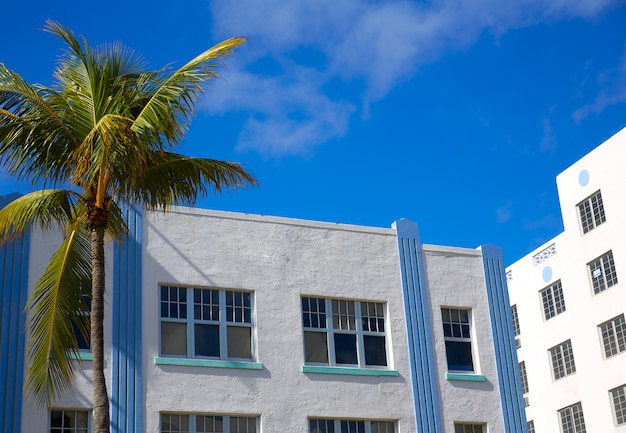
101,417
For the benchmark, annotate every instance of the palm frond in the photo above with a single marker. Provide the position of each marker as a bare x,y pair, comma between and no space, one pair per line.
45,208
52,317
33,137
176,179
172,98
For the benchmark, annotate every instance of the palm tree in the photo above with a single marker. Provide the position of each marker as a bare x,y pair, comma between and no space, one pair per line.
101,139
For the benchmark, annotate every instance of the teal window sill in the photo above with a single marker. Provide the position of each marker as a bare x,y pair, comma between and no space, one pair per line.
189,362
466,377
348,370
81,356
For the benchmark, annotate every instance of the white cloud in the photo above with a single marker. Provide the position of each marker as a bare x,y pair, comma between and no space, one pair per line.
376,45
504,213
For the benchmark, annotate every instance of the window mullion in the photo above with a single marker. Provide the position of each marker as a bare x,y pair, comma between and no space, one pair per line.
223,325
191,341
330,333
360,345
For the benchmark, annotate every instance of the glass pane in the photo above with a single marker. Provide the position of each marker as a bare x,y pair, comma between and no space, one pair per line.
375,353
345,349
239,342
173,338
459,355
207,340
56,418
315,347
81,419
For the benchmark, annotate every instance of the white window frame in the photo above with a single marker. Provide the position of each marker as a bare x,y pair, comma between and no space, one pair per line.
470,427
246,423
613,336
461,333
602,272
84,311
552,300
222,321
572,419
67,429
618,400
530,425
591,212
331,330
523,377
515,316
562,360
351,425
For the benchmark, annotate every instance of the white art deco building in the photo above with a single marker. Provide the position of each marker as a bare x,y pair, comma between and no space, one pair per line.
568,302
224,322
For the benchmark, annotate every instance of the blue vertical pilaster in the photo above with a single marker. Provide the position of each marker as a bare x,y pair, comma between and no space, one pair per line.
417,311
13,293
509,381
126,400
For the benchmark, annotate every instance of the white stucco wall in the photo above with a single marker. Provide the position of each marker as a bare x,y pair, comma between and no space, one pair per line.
279,260
455,279
594,376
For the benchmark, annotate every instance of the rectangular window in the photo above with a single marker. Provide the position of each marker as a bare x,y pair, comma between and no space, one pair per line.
591,211
69,421
618,396
206,323
350,426
186,423
613,335
572,419
82,323
562,358
516,329
552,300
602,272
341,332
524,378
470,428
457,335
531,426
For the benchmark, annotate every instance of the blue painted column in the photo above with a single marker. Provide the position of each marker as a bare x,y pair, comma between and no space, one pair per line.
126,401
13,294
509,380
417,311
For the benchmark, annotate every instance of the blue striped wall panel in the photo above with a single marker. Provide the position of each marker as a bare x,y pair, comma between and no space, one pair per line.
126,398
417,311
13,294
509,380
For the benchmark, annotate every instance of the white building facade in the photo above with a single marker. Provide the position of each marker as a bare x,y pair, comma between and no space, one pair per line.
236,323
569,302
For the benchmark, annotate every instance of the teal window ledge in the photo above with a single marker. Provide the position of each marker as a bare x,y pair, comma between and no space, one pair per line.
188,362
348,370
466,377
81,356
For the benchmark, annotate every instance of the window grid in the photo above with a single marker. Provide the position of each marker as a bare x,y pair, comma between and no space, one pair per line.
350,426
618,396
457,336
602,272
530,426
69,421
614,336
516,329
523,377
572,419
186,423
562,358
220,326
341,332
469,428
591,211
553,300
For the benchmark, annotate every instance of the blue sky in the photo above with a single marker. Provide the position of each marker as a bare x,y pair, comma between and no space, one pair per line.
457,115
